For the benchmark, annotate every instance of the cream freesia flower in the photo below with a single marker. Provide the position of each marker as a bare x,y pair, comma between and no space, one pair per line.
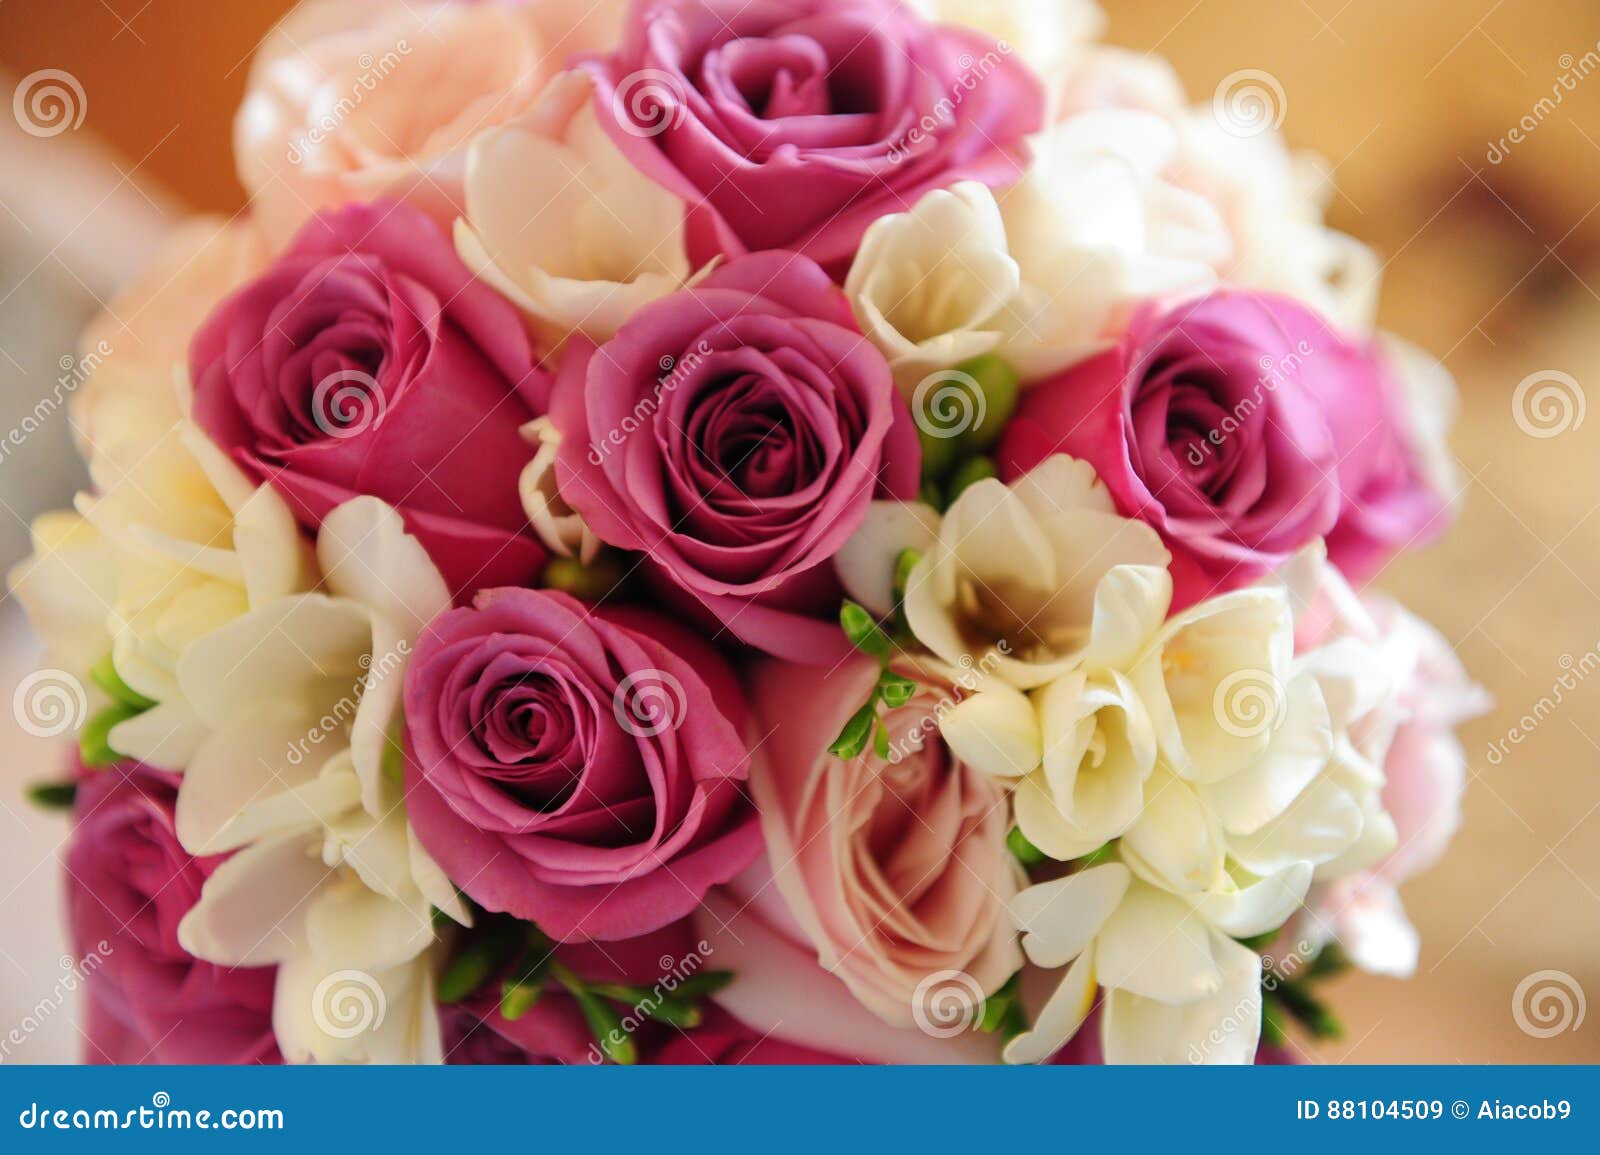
172,543
1010,581
928,285
1096,226
1179,988
300,699
560,223
560,527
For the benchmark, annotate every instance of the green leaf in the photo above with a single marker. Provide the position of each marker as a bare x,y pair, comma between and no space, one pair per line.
863,631
896,689
1024,851
1331,960
652,1004
852,740
997,1007
880,741
1096,857
94,742
1256,941
392,762
104,674
480,959
698,986
904,563
1273,1033
606,1027
1309,1011
53,795
518,995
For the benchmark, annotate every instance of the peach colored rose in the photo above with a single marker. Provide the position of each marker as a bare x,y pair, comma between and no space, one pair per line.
895,870
351,100
132,356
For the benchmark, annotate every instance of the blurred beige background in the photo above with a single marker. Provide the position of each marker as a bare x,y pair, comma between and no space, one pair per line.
1493,264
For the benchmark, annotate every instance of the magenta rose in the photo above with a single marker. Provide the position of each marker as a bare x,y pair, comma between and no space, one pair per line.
735,433
129,883
794,124
1207,421
584,771
367,360
1390,502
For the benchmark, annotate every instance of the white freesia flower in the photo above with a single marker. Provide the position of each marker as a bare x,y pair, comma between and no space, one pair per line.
1081,748
172,543
1097,227
1010,580
1273,202
300,699
562,224
928,285
560,527
1178,987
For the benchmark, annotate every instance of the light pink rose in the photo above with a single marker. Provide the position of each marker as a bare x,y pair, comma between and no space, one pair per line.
889,879
132,355
355,100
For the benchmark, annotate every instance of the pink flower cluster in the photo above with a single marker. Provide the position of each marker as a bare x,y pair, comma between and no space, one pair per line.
632,728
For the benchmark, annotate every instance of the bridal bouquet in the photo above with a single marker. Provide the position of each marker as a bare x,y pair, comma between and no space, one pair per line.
743,530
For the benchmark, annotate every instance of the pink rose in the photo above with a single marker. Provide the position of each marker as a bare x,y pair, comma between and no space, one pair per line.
1206,421
1389,501
353,100
583,771
890,877
794,124
367,360
735,433
129,884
